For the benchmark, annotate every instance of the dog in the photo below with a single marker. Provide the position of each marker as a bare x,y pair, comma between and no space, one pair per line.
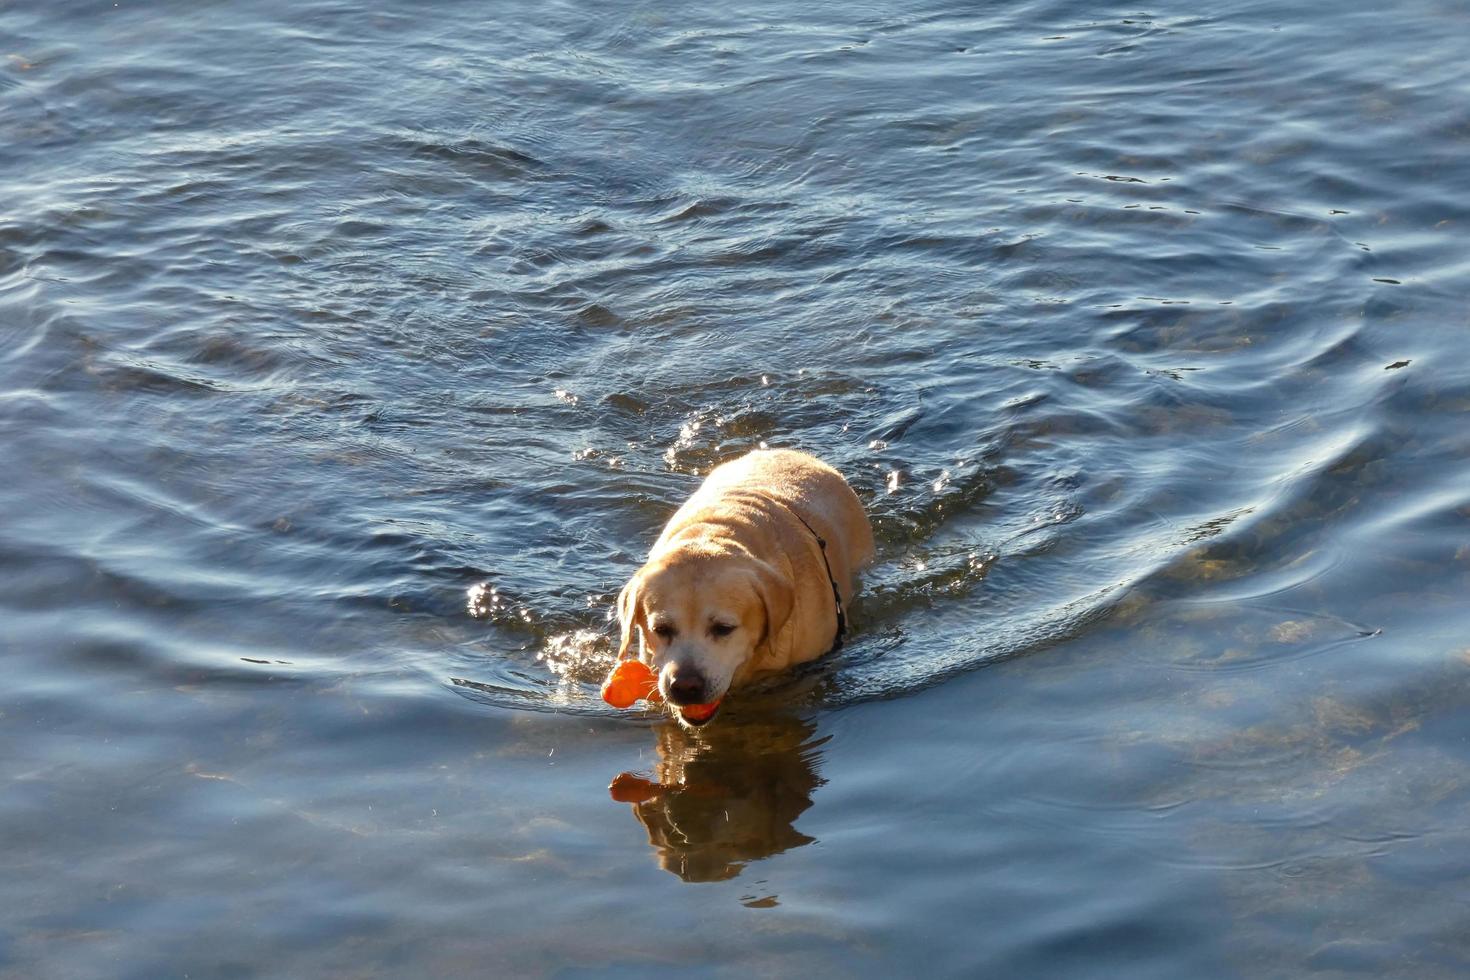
752,575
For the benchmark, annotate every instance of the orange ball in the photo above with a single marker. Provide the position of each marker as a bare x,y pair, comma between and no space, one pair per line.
628,682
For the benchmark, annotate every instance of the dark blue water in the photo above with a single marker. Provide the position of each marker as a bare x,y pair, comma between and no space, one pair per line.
350,360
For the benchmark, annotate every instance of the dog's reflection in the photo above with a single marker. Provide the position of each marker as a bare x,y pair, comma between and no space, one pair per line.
726,796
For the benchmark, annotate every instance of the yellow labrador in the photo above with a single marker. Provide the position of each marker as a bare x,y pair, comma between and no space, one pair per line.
753,574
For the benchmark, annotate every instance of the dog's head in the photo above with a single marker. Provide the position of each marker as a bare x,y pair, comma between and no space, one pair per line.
702,617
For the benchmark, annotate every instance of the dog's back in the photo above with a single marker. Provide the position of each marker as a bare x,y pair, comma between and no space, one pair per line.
809,488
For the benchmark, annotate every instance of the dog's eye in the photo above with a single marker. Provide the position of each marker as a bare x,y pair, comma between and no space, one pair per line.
721,629
664,630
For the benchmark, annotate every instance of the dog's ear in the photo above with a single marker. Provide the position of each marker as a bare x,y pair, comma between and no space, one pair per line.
777,594
630,613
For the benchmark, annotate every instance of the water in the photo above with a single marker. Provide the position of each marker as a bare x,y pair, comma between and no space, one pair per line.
351,359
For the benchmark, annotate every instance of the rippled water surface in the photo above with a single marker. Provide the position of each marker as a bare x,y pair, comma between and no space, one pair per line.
351,358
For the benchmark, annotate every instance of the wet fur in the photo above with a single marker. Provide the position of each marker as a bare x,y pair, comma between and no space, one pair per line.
736,555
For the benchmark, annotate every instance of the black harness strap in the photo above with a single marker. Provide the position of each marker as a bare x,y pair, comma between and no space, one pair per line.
836,596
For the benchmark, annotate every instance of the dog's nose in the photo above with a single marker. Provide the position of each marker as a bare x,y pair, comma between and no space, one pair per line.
686,686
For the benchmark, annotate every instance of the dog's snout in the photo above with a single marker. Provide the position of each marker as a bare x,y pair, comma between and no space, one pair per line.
686,686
